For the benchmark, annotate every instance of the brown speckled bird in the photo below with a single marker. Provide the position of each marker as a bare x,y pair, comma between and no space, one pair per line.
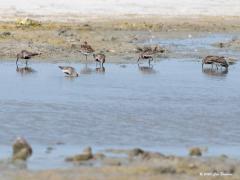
24,54
146,55
86,49
100,58
217,60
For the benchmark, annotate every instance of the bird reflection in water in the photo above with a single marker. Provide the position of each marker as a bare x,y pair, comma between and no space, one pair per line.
86,70
146,69
215,72
100,70
25,70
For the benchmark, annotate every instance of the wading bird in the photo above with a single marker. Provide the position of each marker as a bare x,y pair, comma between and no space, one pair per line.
86,49
26,55
146,55
70,71
99,58
217,60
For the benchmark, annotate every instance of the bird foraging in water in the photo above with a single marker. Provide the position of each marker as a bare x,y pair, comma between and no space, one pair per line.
217,60
70,71
24,54
86,49
100,58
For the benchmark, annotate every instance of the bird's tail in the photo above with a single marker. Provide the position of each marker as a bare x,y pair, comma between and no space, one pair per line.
35,54
61,67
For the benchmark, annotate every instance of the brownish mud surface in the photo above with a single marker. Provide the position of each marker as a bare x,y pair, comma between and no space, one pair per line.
117,38
137,164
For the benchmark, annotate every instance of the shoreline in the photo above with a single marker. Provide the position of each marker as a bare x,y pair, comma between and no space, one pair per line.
129,164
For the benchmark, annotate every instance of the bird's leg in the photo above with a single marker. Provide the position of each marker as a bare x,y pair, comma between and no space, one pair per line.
26,63
17,61
151,58
138,60
86,57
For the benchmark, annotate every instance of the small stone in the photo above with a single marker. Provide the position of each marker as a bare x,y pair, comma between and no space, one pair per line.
85,156
99,156
112,162
6,34
221,45
21,149
195,151
135,152
80,157
152,155
192,166
87,150
49,149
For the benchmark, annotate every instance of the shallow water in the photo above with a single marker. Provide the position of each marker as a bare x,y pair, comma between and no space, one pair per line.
169,107
198,45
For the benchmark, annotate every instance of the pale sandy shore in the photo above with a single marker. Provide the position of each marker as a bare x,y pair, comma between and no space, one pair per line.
61,10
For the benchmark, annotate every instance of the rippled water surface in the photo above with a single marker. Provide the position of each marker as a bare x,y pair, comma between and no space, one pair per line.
172,103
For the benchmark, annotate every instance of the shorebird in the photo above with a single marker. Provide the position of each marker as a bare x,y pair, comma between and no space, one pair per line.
100,58
24,54
146,55
70,71
86,49
217,60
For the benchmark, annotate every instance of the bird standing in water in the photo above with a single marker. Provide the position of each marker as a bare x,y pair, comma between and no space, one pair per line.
146,55
86,49
100,58
217,60
24,54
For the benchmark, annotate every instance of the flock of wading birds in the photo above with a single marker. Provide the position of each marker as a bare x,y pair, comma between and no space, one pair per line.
100,58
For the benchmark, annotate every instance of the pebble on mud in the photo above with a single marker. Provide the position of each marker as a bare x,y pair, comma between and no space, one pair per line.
85,156
99,156
21,149
195,151
27,22
135,152
5,34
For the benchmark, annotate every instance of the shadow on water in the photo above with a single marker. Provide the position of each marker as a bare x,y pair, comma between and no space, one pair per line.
146,69
213,72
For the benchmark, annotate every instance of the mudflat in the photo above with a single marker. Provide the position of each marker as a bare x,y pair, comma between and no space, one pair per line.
118,38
